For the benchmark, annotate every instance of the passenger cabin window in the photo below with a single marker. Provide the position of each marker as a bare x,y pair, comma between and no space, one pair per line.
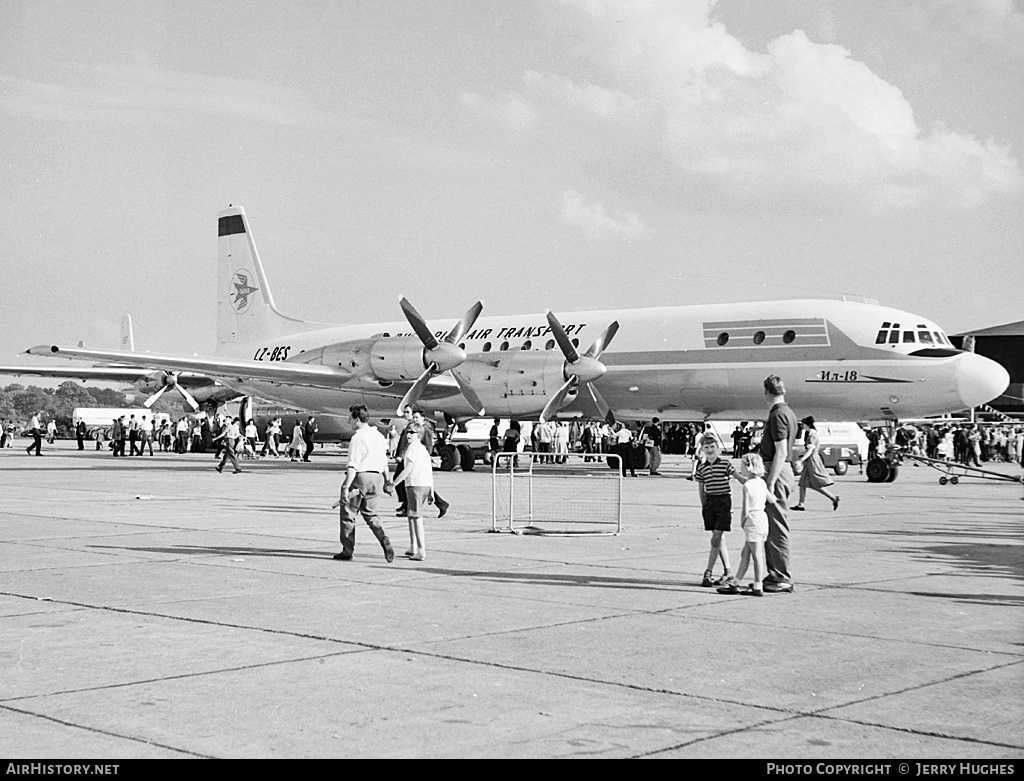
789,337
926,338
504,346
527,345
759,337
723,339
550,345
575,342
487,347
908,336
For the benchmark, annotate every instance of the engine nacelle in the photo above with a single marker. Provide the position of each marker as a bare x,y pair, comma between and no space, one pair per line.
397,358
516,383
384,358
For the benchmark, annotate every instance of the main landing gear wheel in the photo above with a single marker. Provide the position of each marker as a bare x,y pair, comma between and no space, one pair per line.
954,479
467,458
943,481
878,470
449,457
894,471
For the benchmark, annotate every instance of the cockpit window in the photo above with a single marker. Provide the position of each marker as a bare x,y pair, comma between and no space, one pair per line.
882,336
940,338
908,336
926,338
894,337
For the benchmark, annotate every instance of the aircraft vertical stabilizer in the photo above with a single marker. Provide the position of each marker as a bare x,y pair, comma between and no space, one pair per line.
246,313
127,334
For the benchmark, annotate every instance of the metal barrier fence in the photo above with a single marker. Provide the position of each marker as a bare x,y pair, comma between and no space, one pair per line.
529,489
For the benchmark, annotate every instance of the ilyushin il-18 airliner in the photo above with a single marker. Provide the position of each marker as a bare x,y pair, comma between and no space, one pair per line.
840,359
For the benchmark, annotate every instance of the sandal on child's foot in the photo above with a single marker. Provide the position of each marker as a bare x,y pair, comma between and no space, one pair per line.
797,507
729,588
707,582
750,591
409,553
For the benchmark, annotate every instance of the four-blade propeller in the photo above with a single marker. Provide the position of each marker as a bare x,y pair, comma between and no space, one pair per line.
579,369
440,356
170,380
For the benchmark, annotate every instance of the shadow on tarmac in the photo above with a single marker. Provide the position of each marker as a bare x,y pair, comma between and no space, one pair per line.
218,550
544,579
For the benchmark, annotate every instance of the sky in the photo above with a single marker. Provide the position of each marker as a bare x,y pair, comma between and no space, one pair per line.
565,154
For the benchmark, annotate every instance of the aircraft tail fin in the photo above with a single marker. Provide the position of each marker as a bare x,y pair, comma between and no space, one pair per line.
246,313
127,334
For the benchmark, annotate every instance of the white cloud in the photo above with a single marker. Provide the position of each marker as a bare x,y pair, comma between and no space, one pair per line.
512,111
595,222
600,101
803,119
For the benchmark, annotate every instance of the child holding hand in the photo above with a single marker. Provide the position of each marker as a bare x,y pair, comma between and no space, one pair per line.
755,525
712,476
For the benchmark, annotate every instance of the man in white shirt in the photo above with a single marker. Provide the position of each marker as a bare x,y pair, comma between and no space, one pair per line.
364,482
37,435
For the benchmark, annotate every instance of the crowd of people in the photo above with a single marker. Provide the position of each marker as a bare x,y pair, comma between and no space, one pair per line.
770,471
964,443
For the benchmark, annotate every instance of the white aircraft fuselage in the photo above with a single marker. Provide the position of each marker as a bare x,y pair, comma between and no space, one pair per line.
840,360
664,362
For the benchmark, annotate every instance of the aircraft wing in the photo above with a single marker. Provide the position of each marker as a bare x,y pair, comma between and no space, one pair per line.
240,370
73,372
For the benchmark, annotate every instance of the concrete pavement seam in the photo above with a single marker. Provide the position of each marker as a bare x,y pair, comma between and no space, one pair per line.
104,732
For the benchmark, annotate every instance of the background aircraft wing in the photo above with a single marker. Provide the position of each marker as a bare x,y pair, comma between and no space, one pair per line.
228,369
73,372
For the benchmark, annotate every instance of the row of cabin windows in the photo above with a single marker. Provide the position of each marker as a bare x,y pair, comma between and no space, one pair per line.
527,345
787,338
886,336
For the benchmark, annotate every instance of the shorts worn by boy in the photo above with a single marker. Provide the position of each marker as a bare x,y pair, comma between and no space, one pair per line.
717,511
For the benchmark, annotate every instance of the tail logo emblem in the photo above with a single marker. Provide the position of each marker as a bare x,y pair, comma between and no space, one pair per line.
242,290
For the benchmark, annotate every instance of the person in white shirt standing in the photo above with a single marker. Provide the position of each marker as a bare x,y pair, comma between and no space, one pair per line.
418,476
366,477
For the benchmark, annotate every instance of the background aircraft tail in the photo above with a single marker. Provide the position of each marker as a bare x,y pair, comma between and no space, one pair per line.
127,334
246,313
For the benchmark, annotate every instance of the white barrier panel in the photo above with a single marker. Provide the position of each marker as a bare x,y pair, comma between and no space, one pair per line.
534,494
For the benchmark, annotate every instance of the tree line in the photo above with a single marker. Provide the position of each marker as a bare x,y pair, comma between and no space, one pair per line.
19,403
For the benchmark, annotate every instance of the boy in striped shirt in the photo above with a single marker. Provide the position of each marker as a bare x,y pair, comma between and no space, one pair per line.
716,501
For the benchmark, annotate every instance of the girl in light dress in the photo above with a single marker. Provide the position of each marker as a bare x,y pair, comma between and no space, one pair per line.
755,526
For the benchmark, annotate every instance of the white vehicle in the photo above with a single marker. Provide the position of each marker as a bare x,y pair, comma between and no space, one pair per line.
102,418
841,360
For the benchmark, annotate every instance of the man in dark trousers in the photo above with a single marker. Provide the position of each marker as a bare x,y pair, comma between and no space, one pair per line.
309,432
777,452
403,443
80,432
36,429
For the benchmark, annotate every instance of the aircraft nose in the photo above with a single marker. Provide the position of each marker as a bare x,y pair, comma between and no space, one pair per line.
980,379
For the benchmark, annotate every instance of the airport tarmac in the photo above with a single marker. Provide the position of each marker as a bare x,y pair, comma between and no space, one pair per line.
151,607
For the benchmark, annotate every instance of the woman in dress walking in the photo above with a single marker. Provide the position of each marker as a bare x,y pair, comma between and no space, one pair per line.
813,474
